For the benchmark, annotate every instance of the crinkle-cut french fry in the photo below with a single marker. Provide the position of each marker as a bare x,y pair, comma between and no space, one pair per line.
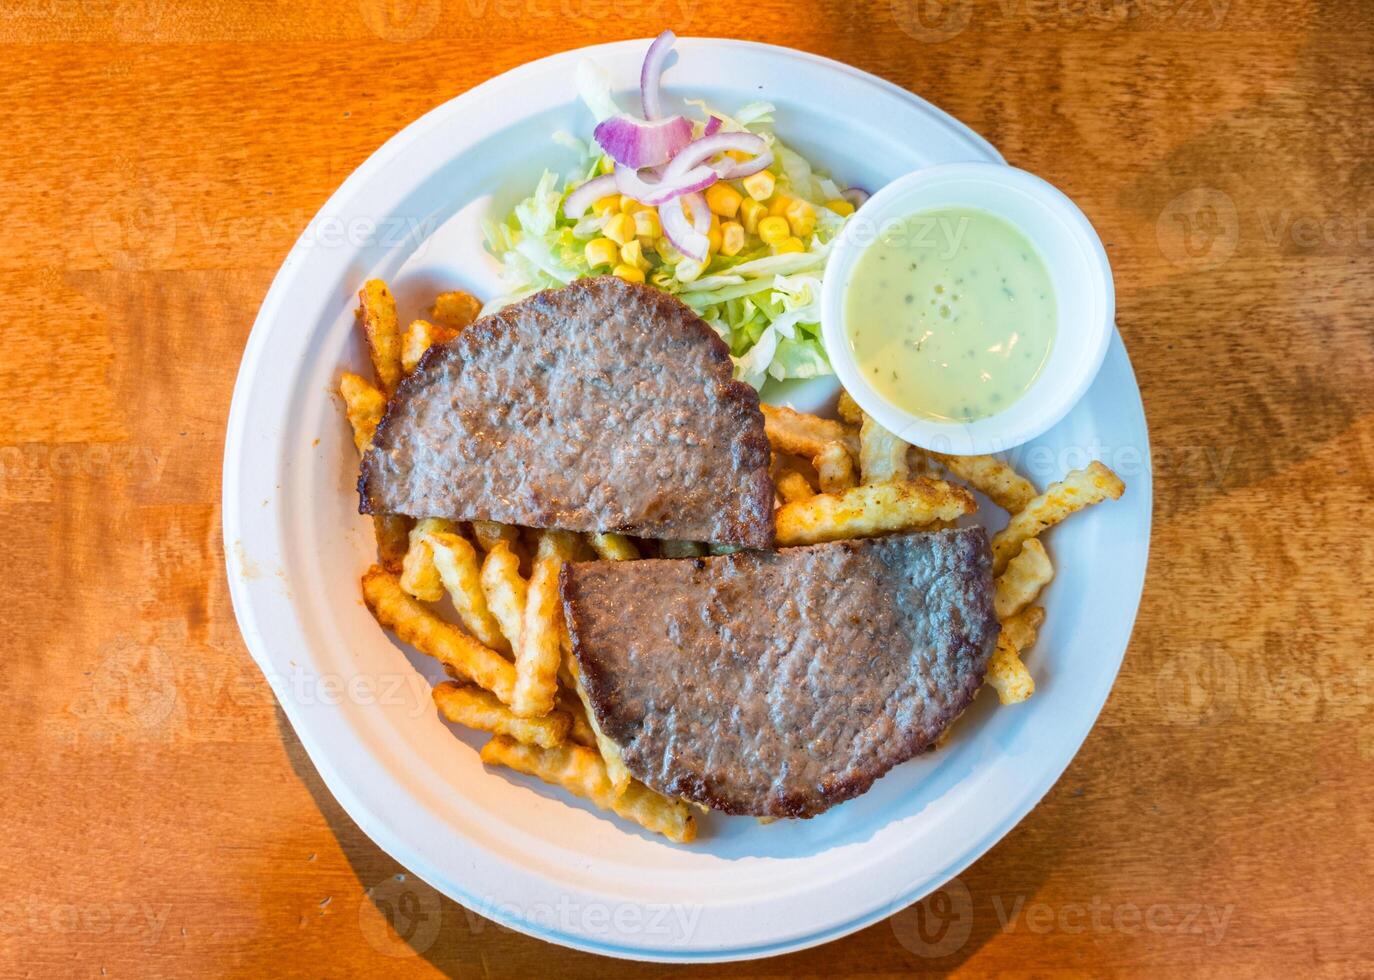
996,479
616,770
1080,489
792,487
849,410
869,510
365,405
455,308
835,468
581,730
536,659
882,456
805,435
488,533
682,549
505,590
419,337
564,545
582,772
1024,577
614,547
461,574
1007,673
419,575
393,540
377,313
467,704
415,624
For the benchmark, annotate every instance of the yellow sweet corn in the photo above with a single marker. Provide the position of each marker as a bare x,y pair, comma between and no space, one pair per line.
629,205
632,253
713,237
750,212
774,229
620,229
601,251
723,199
779,205
666,251
801,217
731,238
647,224
629,273
760,185
840,207
789,245
603,206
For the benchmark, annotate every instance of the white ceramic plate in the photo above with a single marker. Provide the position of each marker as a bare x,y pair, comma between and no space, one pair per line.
529,856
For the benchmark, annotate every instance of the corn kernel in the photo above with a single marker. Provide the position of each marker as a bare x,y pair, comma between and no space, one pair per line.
723,200
620,229
773,229
603,206
779,205
739,155
760,185
629,205
629,273
840,207
713,238
601,251
632,253
793,244
647,224
666,251
801,217
750,212
731,238
688,270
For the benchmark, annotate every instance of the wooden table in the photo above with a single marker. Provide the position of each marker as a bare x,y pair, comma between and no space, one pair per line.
160,816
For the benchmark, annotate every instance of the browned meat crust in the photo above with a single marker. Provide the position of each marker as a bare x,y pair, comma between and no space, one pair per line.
601,406
779,684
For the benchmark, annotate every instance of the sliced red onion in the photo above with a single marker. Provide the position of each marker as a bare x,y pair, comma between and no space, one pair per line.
632,184
577,203
652,71
637,143
681,230
701,214
712,126
699,151
856,196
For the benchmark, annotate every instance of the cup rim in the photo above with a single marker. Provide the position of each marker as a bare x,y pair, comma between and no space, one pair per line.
1041,406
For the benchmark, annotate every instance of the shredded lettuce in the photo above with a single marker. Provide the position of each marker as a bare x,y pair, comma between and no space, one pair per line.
766,307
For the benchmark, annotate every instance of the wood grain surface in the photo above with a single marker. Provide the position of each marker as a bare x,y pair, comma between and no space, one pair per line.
160,817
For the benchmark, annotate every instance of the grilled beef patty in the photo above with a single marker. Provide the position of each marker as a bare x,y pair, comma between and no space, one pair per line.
601,406
781,683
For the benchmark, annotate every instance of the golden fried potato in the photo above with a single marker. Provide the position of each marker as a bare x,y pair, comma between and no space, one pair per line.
581,731
419,337
415,624
582,772
419,575
882,456
1007,673
461,575
681,549
614,547
377,313
792,487
849,410
835,468
364,405
455,309
565,545
537,657
616,771
994,478
488,533
871,510
505,590
1078,490
1026,575
802,434
467,704
393,540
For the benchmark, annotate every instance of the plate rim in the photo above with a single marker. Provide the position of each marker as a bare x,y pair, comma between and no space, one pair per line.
357,807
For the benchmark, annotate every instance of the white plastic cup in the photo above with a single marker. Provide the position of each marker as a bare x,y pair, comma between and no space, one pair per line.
1085,299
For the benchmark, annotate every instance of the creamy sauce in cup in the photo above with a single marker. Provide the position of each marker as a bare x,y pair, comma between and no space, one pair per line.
950,314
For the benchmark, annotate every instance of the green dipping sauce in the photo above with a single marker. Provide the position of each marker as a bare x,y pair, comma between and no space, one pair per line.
950,314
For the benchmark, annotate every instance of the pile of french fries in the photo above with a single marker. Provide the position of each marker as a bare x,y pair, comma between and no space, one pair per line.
509,656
